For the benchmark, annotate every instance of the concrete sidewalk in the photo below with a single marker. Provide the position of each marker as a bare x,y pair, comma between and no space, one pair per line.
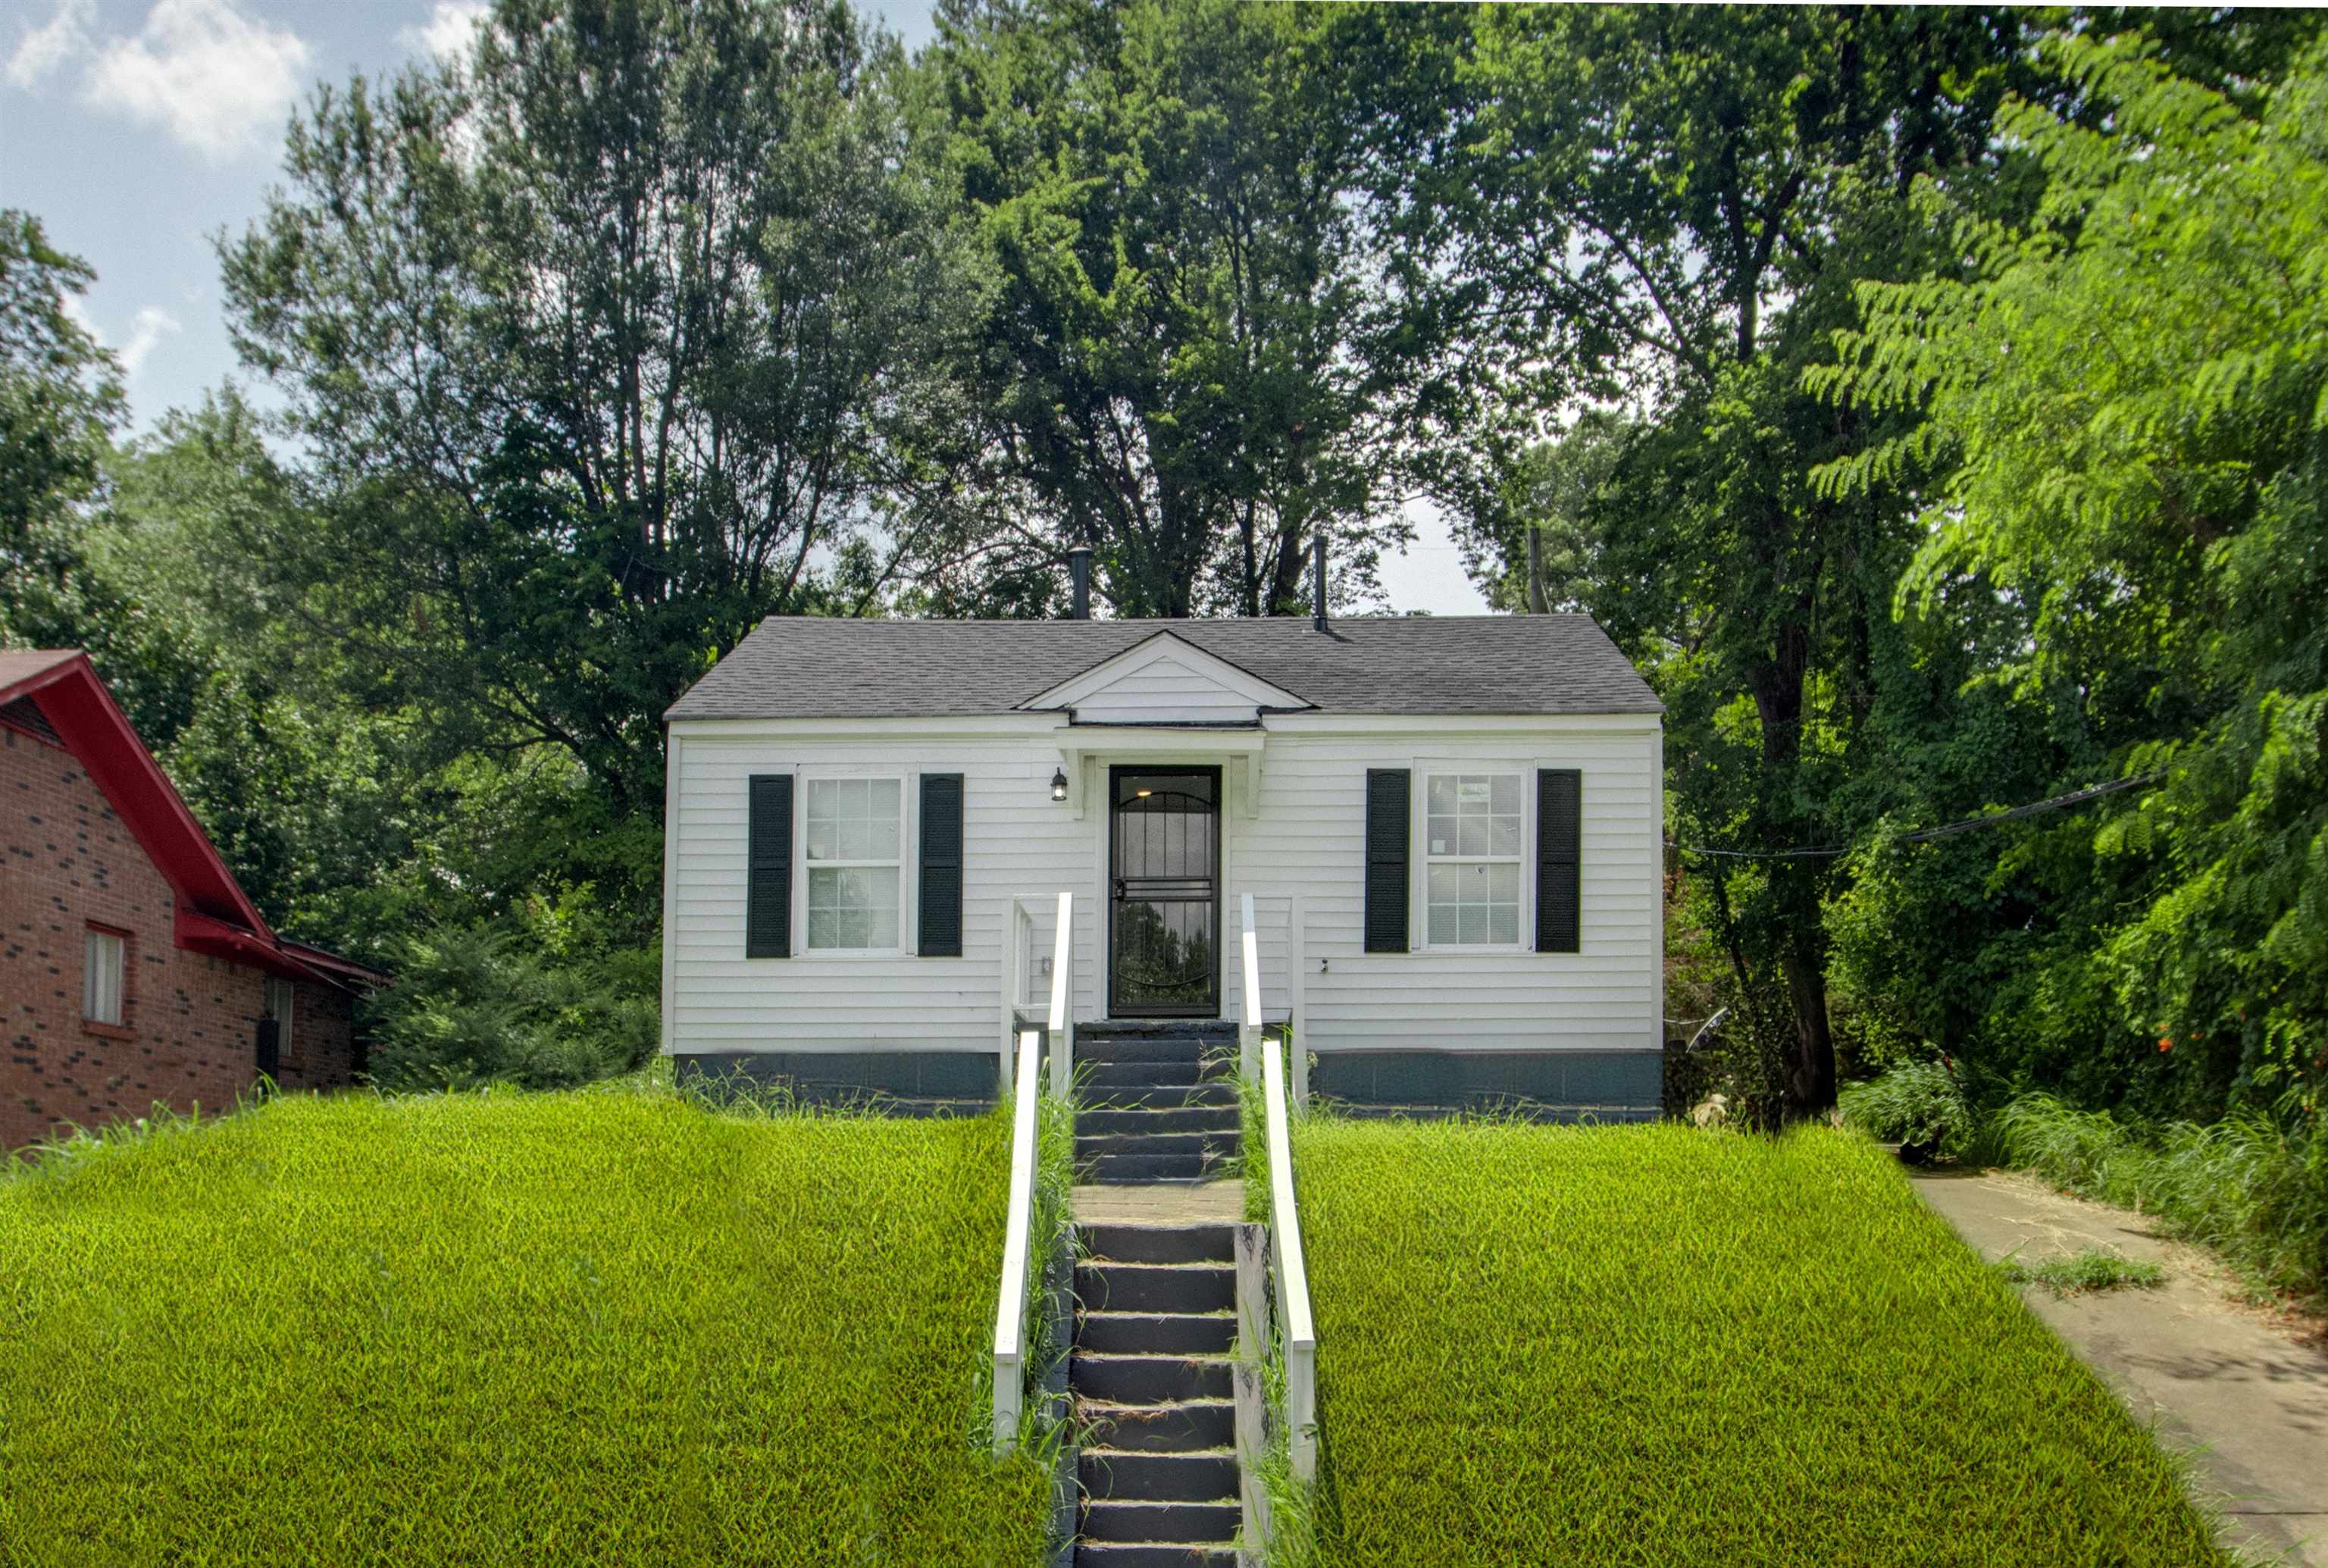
2225,1383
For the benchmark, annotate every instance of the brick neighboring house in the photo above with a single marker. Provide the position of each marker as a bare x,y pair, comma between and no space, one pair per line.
133,968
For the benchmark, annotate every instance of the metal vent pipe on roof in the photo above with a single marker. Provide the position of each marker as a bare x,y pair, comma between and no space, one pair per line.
1079,573
1318,583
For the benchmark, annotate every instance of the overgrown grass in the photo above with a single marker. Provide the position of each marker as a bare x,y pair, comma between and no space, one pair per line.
2082,1274
2252,1192
604,1327
1657,1346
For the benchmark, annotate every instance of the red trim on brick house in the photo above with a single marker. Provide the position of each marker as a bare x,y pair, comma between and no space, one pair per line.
213,914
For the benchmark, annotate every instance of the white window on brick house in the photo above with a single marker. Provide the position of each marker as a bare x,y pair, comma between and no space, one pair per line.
102,954
278,1008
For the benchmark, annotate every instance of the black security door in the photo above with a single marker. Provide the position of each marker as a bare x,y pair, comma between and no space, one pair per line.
1164,903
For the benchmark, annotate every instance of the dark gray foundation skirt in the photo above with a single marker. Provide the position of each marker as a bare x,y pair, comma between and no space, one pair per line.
899,1082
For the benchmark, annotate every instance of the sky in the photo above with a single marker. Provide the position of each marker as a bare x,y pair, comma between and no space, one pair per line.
138,130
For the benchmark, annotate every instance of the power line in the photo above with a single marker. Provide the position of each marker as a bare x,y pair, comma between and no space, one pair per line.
1926,835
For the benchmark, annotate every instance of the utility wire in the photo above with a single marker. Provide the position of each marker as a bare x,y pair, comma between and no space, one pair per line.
1926,835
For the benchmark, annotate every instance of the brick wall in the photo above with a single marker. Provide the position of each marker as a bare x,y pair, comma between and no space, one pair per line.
187,1035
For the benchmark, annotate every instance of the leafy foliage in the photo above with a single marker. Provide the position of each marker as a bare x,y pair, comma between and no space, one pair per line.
594,334
2128,409
1918,1106
482,1005
1173,366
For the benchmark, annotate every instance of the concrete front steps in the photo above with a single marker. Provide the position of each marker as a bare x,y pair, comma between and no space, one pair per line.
1162,1101
1150,1378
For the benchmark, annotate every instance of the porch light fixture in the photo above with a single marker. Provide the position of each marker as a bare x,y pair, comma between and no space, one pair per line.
1060,784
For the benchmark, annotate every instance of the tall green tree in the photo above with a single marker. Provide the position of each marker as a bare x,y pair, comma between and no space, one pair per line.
60,404
1171,366
594,336
2127,419
1665,208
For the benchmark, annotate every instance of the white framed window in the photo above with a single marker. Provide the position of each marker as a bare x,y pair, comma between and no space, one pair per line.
855,844
102,956
278,1003
1473,841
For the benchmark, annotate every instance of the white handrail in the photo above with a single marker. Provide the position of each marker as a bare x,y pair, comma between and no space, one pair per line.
1011,1308
1301,1335
1249,1026
1018,944
1063,970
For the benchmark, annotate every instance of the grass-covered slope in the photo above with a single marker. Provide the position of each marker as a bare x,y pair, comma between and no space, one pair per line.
1656,1345
598,1327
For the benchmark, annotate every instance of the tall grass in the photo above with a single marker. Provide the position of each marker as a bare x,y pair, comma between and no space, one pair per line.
1657,1346
594,1327
2252,1191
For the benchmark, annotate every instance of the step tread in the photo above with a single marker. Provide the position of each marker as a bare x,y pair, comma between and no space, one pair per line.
1164,1523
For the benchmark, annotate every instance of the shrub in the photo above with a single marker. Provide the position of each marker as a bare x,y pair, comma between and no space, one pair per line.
474,1005
2253,1191
1919,1106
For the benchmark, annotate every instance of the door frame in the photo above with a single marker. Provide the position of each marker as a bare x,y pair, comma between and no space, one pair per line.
1211,1007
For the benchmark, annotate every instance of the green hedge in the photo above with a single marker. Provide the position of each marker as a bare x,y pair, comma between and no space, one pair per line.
606,1327
1658,1345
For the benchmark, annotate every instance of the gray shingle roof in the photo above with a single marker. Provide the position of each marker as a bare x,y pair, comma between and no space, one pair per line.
807,667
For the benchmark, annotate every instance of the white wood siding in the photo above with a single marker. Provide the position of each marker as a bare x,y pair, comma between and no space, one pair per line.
1165,689
1305,839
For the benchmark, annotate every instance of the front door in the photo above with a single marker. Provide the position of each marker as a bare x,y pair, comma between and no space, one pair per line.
1164,900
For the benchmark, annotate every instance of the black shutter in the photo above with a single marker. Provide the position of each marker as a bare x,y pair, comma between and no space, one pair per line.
1559,840
270,1047
1389,826
768,898
941,880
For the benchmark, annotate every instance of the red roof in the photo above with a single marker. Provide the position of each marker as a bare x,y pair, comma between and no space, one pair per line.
215,914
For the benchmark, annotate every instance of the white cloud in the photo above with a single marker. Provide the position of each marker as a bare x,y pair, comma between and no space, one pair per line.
205,70
449,30
41,50
152,325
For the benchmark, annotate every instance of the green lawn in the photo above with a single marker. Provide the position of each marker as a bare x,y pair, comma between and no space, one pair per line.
599,1327
1657,1346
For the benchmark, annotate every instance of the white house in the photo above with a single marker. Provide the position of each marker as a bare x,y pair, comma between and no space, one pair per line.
1451,828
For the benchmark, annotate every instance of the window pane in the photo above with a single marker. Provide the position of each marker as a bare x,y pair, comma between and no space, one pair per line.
1446,883
882,796
1471,790
1504,836
1442,924
101,978
852,906
1504,883
1473,839
1503,923
1507,794
1441,835
1475,923
1442,794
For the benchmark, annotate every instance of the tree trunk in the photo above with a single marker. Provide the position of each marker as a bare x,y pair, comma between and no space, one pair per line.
1778,688
1810,1087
